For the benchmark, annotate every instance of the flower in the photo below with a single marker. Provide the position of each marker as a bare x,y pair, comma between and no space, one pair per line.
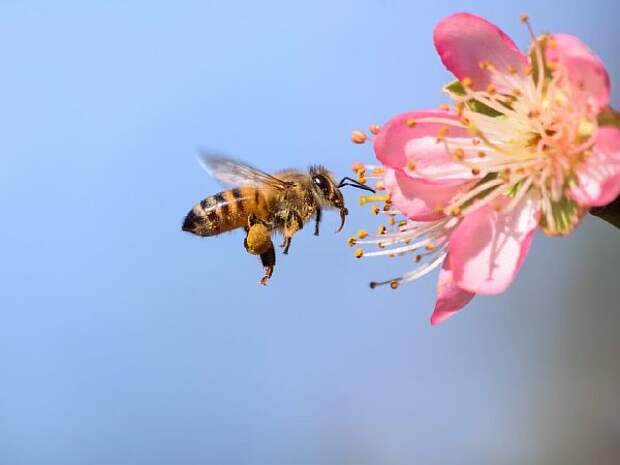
521,149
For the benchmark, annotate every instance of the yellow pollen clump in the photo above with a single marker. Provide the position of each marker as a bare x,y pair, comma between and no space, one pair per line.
351,241
393,284
410,122
444,107
358,137
362,234
359,252
466,82
411,166
375,210
491,89
381,230
374,129
459,154
442,132
482,154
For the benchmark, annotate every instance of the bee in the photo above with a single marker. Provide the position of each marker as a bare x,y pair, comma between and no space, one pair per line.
263,204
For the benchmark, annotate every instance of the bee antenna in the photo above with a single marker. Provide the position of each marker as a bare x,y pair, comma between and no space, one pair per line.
357,184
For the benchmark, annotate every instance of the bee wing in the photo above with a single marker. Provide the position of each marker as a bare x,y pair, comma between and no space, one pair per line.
237,173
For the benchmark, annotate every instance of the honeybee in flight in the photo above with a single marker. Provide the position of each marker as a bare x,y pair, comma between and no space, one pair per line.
263,204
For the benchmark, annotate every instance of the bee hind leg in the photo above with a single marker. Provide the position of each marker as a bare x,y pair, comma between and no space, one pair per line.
268,259
258,242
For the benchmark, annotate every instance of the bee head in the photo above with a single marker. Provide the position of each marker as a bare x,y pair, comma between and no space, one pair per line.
328,192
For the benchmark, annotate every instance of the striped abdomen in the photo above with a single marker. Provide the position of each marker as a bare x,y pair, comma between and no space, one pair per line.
226,211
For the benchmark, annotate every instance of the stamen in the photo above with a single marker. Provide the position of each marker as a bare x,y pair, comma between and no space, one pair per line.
358,137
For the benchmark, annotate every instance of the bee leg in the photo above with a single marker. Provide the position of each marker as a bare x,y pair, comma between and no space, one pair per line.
268,259
292,224
318,221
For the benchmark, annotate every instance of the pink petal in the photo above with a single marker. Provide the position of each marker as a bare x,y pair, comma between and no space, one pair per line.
598,177
418,199
488,247
450,297
585,70
398,144
464,40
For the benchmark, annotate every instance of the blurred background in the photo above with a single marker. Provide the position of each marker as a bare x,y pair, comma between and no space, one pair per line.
125,341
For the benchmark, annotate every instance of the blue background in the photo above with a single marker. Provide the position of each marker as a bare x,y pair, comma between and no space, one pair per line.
125,341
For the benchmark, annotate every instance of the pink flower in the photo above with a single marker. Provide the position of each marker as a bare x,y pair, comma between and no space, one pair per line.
521,149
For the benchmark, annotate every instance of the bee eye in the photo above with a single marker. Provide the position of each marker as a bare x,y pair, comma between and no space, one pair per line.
321,183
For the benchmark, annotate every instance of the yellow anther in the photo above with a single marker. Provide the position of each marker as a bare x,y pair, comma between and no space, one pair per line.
527,70
358,137
380,245
375,210
411,166
379,186
438,208
491,89
357,166
466,82
393,284
482,154
456,211
552,65
361,179
512,69
444,107
460,108
362,234
410,122
475,171
524,17
402,223
377,170
391,220
442,132
485,65
516,92
359,252
429,246
506,174
459,154
351,241
381,230
374,129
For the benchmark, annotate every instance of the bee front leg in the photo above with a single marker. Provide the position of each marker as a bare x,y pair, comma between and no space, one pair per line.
318,221
293,223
